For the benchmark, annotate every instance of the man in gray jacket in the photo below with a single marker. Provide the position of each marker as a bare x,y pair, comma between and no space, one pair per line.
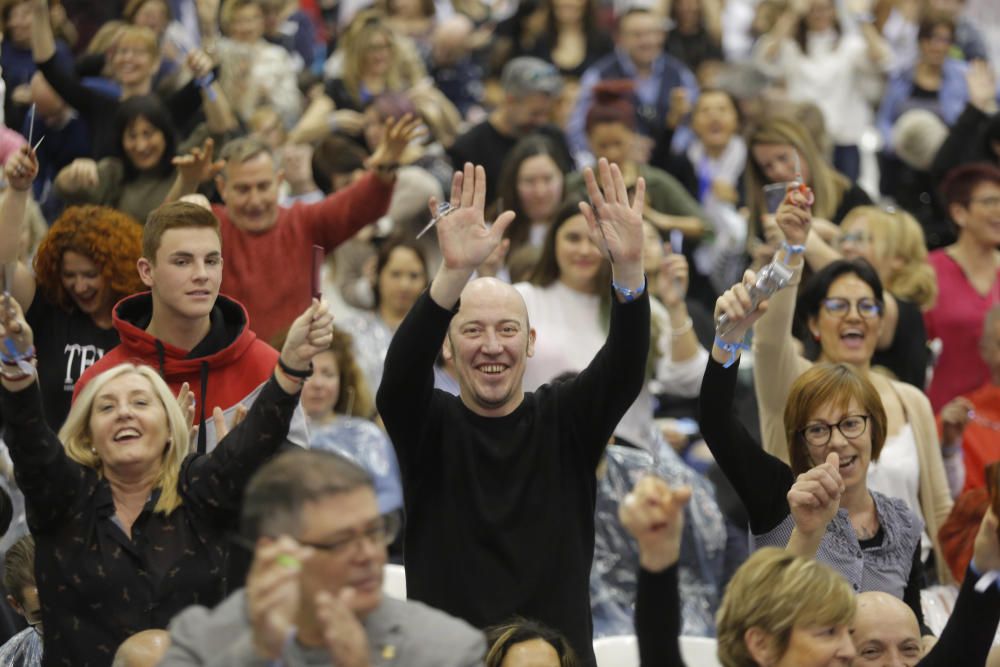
314,593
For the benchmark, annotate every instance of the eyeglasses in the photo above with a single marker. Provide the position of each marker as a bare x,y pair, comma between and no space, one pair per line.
380,532
855,237
869,309
818,434
986,202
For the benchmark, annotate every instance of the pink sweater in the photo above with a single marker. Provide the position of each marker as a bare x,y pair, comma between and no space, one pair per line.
957,319
270,273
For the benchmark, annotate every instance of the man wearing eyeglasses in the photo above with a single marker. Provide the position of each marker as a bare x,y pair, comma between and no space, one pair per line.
314,592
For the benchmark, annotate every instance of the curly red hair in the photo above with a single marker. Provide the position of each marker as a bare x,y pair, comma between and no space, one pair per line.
109,238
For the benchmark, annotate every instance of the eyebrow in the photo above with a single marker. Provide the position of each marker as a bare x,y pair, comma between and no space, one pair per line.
185,254
133,392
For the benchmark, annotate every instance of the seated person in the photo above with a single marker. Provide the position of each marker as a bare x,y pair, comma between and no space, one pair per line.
526,643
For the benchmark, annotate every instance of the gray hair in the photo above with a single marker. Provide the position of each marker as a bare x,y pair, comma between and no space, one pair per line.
275,495
527,75
244,149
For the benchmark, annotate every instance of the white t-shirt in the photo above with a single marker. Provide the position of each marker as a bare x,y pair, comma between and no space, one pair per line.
897,474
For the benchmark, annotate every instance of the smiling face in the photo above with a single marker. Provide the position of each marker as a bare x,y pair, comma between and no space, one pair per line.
401,281
377,54
641,36
612,141
18,27
132,62
847,337
490,341
981,218
820,646
715,119
250,193
856,241
186,273
321,391
143,144
821,16
128,424
83,281
359,564
855,453
153,15
885,632
777,162
578,258
934,48
247,24
539,187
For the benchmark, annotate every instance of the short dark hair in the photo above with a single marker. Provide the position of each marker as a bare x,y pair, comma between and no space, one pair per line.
152,110
336,154
815,290
385,254
931,22
501,638
19,568
959,183
274,498
175,215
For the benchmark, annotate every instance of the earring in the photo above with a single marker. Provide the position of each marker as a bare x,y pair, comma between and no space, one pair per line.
815,335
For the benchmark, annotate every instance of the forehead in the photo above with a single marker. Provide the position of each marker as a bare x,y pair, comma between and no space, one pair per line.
850,285
836,409
885,621
537,164
338,512
771,151
576,224
258,168
494,304
639,22
714,99
985,189
74,261
192,240
404,258
127,383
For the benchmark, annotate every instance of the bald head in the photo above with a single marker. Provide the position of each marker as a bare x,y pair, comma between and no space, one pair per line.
489,341
450,42
144,649
885,632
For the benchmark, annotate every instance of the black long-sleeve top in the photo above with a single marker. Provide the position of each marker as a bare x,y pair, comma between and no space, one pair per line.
500,511
97,586
761,480
658,618
99,110
968,635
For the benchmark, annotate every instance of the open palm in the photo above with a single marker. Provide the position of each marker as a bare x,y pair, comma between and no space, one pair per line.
614,222
463,236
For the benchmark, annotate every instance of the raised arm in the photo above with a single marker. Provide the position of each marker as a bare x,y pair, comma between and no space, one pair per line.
49,480
653,514
43,42
760,480
216,480
20,171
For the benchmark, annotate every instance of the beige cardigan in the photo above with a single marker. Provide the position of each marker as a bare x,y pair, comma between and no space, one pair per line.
777,365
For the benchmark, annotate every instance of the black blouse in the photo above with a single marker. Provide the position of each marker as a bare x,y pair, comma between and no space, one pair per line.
98,587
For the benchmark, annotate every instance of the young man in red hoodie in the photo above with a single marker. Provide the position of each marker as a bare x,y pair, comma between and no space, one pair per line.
185,329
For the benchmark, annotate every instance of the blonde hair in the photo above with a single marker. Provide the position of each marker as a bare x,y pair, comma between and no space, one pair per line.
142,35
828,185
897,235
776,591
76,437
405,68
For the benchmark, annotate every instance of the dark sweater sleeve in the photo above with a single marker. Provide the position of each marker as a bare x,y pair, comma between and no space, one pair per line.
51,482
184,104
968,635
960,146
762,481
911,594
215,481
407,387
602,392
87,102
658,619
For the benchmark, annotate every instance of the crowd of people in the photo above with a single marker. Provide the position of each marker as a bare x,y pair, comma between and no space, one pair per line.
655,318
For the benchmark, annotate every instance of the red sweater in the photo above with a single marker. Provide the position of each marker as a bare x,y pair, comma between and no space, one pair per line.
270,273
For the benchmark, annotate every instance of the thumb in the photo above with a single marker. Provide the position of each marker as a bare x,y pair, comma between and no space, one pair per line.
501,224
833,459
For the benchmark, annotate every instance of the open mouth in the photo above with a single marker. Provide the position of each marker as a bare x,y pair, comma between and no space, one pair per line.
126,435
853,338
492,369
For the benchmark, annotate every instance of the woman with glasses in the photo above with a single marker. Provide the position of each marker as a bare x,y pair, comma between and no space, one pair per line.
842,309
835,427
130,526
893,243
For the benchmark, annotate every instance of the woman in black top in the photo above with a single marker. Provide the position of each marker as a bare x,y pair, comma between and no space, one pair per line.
130,528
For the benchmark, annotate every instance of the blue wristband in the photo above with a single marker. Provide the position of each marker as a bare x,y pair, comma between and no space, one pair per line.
732,349
791,250
629,295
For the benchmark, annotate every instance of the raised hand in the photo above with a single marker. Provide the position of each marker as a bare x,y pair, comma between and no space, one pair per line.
653,514
273,594
982,86
310,334
80,174
672,278
343,634
954,417
21,169
793,216
986,549
199,62
611,217
815,497
197,167
463,236
14,329
398,135
736,305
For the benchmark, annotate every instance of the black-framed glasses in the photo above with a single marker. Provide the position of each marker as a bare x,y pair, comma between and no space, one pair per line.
381,532
869,309
818,434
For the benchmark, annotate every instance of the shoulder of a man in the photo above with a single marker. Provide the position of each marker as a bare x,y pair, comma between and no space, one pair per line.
219,636
430,636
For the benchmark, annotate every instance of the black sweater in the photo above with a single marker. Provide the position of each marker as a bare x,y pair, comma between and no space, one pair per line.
97,585
762,481
500,511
